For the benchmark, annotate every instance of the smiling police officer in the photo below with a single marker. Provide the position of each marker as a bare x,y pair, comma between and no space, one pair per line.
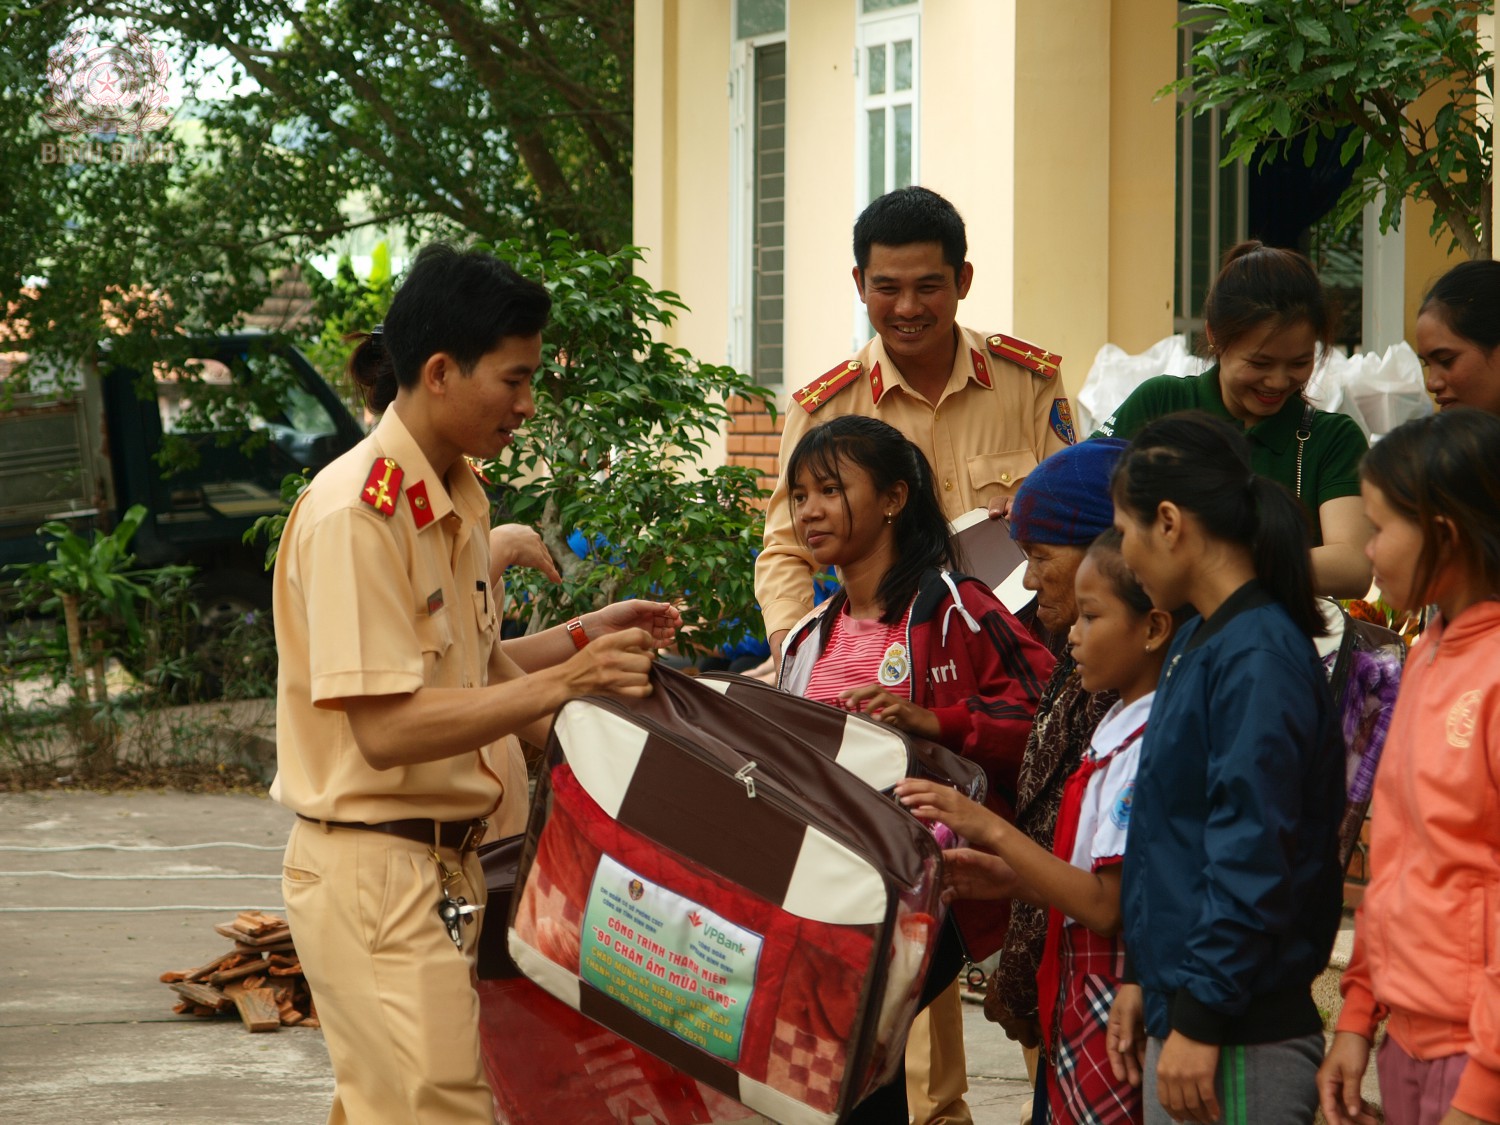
983,408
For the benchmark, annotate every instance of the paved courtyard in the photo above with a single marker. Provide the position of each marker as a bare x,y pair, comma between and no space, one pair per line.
86,1029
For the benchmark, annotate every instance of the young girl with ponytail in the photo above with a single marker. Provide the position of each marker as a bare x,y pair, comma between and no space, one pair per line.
1231,888
1118,643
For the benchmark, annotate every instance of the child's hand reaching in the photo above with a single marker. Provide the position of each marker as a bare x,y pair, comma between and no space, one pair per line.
874,701
971,874
927,800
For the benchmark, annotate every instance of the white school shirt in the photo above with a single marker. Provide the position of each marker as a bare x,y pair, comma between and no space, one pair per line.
1104,817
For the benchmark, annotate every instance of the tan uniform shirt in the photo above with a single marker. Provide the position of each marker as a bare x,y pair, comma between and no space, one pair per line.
374,604
993,422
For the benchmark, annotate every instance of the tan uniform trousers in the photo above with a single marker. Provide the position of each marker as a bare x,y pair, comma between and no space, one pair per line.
936,1070
394,995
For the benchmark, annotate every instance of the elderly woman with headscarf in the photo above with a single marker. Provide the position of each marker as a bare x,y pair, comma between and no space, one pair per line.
1060,508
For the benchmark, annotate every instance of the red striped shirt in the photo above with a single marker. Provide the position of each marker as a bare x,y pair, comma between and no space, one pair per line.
853,657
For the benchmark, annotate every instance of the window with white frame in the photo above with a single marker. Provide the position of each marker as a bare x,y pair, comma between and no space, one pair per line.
1212,201
758,174
887,123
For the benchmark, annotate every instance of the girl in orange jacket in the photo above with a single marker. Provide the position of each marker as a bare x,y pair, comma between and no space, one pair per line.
1427,935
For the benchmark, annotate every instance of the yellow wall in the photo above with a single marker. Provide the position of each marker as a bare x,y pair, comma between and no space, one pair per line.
968,111
1038,122
820,191
1427,255
654,135
681,167
682,161
1142,174
1061,261
1427,259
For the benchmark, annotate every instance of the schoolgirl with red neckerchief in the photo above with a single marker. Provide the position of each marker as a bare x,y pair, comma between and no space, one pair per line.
1118,643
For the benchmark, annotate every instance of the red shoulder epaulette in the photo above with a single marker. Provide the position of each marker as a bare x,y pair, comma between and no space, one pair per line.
819,391
382,486
1029,356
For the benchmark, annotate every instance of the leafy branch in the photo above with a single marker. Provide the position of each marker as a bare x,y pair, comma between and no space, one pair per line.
1289,77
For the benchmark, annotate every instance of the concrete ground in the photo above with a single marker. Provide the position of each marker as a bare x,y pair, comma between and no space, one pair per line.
86,1029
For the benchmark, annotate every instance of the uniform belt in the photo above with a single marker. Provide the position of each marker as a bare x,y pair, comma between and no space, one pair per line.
461,835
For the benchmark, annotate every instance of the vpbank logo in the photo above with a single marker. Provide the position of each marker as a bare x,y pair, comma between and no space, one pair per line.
99,86
714,934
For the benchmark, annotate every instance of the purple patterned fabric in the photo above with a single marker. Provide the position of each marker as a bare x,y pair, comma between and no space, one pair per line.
1369,700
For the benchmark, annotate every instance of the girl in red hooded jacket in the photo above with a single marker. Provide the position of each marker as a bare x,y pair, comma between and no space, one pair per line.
906,640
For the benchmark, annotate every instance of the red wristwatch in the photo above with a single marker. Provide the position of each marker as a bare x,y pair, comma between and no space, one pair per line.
575,631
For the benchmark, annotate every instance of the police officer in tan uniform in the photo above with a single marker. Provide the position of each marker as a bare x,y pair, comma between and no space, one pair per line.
397,707
983,408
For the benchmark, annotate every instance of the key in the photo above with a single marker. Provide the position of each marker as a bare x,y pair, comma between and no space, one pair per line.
450,911
456,913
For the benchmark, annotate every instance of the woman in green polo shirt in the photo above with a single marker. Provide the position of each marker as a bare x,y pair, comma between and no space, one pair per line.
1264,317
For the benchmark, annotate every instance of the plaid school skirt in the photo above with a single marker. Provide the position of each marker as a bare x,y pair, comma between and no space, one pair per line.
1081,1088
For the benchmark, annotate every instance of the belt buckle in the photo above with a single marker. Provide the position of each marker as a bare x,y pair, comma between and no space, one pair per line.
473,836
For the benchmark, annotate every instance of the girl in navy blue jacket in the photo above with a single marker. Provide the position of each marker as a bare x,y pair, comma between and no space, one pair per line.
1231,889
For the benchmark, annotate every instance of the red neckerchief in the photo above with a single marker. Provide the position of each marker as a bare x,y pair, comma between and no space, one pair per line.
1064,836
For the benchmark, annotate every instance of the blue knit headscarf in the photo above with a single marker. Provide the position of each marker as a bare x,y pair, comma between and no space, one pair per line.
1065,500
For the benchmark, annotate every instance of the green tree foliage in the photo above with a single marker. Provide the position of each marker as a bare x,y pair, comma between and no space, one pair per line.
344,304
497,120
621,422
488,118
1289,74
95,246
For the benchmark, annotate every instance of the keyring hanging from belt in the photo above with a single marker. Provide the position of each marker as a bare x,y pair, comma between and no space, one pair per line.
454,913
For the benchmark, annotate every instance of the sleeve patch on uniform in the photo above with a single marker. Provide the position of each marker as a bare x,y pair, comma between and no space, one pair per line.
382,486
1062,420
1119,813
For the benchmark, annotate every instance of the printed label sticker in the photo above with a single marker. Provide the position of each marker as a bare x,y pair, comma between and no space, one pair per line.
669,959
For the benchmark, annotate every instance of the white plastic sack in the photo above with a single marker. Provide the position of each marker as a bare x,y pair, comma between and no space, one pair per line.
1116,373
1378,390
